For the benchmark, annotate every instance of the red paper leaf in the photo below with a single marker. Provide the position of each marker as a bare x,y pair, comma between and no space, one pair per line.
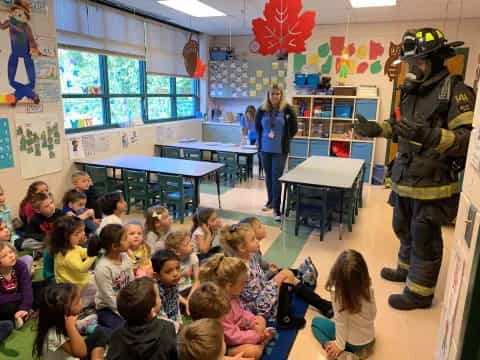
337,43
362,67
283,29
376,50
200,69
351,49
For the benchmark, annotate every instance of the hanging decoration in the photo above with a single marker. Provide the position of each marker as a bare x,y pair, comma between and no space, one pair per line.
283,30
392,65
23,47
193,64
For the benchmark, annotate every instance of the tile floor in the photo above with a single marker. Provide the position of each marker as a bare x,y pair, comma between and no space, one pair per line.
400,335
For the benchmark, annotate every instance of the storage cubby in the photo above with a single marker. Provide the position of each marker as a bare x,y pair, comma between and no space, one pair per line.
326,128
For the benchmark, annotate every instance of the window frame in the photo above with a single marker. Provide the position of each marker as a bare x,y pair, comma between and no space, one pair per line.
105,96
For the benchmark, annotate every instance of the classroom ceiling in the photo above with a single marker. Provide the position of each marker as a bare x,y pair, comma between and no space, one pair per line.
241,12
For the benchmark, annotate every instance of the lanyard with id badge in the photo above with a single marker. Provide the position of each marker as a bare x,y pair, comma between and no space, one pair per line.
272,119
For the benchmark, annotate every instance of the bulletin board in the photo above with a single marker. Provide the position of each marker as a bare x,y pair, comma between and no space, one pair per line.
245,79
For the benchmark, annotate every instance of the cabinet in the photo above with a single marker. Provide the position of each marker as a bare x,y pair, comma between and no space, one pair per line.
325,128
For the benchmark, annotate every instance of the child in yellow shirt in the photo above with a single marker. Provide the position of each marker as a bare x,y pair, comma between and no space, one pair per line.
71,261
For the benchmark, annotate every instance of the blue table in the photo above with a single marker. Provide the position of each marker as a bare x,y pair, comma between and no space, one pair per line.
153,164
325,172
214,147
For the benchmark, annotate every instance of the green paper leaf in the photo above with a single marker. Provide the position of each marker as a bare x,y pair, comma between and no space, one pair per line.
298,61
376,67
323,50
327,66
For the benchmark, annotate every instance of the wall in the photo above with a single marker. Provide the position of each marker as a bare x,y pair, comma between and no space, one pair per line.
466,31
10,179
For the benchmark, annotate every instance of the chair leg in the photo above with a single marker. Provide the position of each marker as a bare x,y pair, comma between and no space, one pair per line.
181,212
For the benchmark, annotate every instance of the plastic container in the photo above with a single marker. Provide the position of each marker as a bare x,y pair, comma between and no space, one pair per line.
343,111
300,79
378,176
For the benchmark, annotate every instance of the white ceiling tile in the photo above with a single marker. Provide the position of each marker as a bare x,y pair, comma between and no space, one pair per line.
328,12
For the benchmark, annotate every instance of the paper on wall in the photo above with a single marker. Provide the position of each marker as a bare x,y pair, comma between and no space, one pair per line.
75,148
6,152
39,143
165,135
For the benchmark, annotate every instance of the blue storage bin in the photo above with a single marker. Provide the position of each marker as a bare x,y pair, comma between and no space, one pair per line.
362,151
319,148
300,79
367,108
378,176
218,55
298,147
343,111
325,114
313,80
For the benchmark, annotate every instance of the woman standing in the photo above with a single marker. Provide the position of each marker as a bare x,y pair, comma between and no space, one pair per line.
249,132
276,124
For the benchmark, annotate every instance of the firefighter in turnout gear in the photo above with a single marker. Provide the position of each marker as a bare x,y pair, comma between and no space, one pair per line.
432,132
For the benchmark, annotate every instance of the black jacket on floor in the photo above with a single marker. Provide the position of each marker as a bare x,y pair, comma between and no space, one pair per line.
155,340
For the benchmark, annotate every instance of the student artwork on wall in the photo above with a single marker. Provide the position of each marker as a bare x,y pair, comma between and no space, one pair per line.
18,76
75,148
283,29
6,152
342,58
39,144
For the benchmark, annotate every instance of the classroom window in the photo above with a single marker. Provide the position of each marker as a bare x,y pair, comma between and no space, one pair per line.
171,97
101,91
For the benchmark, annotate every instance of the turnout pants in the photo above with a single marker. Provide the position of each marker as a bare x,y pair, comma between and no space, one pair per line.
417,224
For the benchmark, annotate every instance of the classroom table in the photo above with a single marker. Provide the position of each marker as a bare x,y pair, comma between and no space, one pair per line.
324,172
247,151
154,164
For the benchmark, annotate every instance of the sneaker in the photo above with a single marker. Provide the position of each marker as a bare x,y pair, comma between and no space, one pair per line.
261,177
86,322
309,279
277,217
312,266
267,207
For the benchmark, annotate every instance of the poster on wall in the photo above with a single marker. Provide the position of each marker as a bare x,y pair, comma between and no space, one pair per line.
6,152
450,306
39,144
94,145
23,48
75,148
48,84
129,137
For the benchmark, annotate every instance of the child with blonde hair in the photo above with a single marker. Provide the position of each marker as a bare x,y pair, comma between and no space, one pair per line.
270,298
6,216
244,332
157,225
201,340
181,244
352,333
139,252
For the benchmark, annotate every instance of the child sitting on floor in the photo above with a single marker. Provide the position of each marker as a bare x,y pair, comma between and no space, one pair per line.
26,210
205,225
157,225
113,272
82,182
244,332
202,340
57,335
180,243
41,224
16,295
6,235
144,336
113,207
139,252
261,296
74,204
6,216
72,262
352,334
307,272
166,267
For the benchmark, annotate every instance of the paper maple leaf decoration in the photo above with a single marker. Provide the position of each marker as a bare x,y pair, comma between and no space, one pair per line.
199,69
283,29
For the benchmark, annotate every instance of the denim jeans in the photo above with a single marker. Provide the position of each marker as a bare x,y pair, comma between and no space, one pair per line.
109,320
274,164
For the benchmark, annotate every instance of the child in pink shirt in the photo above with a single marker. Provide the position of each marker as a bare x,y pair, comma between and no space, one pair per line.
244,332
